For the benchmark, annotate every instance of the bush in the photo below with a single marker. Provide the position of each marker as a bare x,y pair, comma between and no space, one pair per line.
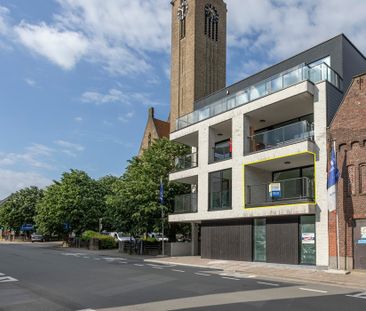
89,234
105,241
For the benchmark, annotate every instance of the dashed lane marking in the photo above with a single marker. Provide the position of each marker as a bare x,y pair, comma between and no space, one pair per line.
267,283
159,268
176,270
86,257
138,265
202,274
229,278
5,279
122,262
360,295
313,290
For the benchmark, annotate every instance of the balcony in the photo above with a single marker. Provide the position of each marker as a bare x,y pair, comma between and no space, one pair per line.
220,200
315,74
222,152
288,191
186,162
287,134
186,203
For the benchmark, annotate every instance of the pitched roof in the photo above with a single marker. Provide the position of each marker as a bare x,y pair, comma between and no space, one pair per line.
162,128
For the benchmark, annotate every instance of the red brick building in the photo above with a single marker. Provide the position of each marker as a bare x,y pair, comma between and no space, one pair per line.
348,130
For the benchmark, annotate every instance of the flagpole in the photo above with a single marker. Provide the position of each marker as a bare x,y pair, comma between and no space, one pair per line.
336,210
162,217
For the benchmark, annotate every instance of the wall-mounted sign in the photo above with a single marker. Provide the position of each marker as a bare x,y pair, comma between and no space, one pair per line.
274,190
363,233
308,238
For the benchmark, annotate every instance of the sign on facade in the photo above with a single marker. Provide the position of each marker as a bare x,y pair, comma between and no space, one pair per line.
274,190
308,238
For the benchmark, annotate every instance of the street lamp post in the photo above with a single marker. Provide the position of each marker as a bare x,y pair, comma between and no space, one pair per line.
162,215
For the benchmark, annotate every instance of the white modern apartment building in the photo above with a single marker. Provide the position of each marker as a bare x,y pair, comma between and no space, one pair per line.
258,167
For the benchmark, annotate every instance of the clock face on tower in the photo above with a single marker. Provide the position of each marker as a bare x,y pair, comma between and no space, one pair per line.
183,10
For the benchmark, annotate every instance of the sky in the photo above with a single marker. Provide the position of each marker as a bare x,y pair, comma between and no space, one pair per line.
77,76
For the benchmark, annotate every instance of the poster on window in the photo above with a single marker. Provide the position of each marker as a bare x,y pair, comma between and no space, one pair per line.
274,190
308,238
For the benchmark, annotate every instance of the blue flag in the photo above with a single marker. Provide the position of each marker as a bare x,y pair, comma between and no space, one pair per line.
333,176
161,192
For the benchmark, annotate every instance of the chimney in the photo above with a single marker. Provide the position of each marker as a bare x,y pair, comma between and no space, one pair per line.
151,112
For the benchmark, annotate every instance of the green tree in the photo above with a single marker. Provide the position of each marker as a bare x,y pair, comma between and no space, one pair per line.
135,203
106,184
20,208
75,203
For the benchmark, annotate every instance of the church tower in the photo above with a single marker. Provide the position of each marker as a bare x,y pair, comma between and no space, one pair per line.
198,59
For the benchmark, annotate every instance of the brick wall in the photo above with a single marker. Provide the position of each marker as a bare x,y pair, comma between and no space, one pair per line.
348,129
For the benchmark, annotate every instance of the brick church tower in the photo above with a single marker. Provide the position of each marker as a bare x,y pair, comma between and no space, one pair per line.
198,56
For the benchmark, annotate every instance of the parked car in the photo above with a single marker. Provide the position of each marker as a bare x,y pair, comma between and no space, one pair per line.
37,237
123,237
158,236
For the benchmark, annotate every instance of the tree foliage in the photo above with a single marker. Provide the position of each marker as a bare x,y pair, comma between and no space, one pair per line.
135,201
75,203
20,208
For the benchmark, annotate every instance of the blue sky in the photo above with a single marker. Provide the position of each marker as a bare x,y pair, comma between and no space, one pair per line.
77,76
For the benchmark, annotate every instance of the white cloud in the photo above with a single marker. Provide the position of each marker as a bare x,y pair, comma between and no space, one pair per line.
69,145
280,28
30,82
78,119
126,117
3,20
62,47
11,181
115,96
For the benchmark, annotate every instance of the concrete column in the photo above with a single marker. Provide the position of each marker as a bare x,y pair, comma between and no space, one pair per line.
320,136
237,170
194,236
203,143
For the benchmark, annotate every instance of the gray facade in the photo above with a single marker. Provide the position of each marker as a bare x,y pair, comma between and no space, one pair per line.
346,60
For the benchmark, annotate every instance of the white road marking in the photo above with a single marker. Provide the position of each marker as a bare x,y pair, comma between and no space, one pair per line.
157,268
176,270
202,274
110,259
313,290
4,279
267,283
86,257
2,274
122,262
360,295
229,278
138,265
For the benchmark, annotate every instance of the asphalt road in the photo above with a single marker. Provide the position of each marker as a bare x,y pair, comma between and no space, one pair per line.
35,277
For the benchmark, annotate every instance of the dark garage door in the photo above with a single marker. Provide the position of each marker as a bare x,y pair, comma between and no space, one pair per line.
359,235
228,240
283,240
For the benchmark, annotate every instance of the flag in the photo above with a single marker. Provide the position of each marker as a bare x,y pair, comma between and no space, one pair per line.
230,146
161,192
333,175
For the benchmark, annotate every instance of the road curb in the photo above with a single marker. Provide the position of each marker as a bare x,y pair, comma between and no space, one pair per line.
267,276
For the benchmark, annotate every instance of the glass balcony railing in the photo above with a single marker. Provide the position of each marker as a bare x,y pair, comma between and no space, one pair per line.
293,132
186,203
222,152
220,200
288,191
185,162
274,84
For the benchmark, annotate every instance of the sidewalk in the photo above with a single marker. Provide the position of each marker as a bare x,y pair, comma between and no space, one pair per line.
273,271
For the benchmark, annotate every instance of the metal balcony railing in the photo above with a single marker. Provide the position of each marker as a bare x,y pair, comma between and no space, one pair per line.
294,190
222,152
186,162
185,203
320,72
220,200
283,135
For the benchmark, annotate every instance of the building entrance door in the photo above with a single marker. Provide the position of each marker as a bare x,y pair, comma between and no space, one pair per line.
359,248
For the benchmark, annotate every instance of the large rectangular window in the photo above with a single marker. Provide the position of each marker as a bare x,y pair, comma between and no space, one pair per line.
220,190
307,240
260,240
